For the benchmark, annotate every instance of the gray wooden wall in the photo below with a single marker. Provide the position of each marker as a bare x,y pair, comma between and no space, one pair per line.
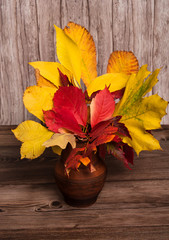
27,34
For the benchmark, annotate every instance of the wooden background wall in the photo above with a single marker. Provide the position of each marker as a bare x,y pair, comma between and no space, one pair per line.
27,34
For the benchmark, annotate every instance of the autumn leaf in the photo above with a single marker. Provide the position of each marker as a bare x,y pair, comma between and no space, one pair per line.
72,99
102,107
68,53
57,150
87,48
121,151
43,82
62,118
64,79
73,160
61,140
122,62
49,70
113,81
33,135
85,161
140,114
36,99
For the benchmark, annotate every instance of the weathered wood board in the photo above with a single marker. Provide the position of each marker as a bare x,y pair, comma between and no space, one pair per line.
134,204
27,34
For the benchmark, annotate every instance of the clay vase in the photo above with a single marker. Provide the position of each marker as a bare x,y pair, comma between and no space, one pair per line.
82,187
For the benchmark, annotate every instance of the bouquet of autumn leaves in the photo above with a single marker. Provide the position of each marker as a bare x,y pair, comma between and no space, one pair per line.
91,113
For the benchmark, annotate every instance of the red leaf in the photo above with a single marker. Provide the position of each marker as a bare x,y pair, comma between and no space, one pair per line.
129,153
64,79
99,128
122,152
72,99
118,94
122,129
63,118
104,134
72,162
102,107
102,151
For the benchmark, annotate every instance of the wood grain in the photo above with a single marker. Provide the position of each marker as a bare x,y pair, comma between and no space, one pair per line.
132,205
28,35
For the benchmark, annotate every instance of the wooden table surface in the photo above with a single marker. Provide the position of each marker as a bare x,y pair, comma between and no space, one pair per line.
132,205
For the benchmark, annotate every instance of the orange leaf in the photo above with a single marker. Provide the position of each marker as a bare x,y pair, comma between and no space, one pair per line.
122,62
85,161
87,48
41,81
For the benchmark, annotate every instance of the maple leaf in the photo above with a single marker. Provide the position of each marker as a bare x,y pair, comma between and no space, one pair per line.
140,114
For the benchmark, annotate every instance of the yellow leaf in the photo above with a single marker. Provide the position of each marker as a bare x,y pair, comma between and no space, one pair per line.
33,135
85,161
87,48
36,99
61,140
141,140
49,70
43,82
140,114
115,81
57,150
68,53
122,62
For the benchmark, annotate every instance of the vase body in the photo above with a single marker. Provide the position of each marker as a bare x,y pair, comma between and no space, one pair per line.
80,188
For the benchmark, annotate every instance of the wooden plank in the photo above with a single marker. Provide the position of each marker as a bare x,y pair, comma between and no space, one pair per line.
160,58
75,11
114,195
100,27
153,165
94,233
132,31
19,38
28,35
86,218
47,13
149,165
132,205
